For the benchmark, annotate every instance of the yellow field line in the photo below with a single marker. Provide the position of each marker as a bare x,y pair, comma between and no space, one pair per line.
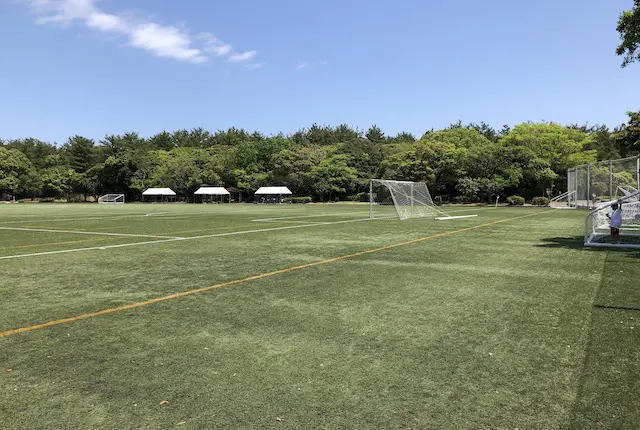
253,278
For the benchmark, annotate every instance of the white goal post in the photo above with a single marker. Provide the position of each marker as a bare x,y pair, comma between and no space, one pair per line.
404,200
111,199
597,231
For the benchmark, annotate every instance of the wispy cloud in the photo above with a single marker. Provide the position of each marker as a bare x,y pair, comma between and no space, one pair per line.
158,39
302,65
255,66
213,45
242,56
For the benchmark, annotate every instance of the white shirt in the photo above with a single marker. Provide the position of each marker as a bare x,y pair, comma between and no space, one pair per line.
616,218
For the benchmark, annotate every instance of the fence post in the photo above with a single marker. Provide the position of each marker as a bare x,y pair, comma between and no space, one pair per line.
610,179
588,185
371,199
638,171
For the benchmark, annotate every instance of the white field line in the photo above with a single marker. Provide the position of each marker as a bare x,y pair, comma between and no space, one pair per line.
172,215
109,217
163,215
94,233
233,233
346,215
71,219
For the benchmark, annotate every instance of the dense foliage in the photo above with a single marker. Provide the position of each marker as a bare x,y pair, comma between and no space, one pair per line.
629,29
460,163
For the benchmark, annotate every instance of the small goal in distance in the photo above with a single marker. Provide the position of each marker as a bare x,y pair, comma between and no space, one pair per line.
404,200
111,199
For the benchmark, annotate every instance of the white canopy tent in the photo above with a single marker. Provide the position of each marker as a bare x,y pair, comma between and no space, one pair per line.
213,194
159,194
271,194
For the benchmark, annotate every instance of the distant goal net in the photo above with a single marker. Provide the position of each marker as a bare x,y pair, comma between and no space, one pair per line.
403,200
597,231
111,199
564,201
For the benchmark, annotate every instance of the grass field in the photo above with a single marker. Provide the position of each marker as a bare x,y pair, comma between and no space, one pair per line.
311,316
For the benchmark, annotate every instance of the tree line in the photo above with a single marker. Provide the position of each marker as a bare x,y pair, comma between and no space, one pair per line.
472,163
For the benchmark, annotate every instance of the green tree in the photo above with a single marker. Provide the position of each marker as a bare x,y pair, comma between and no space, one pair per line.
561,146
362,155
230,137
629,29
293,167
344,133
36,150
375,135
56,181
116,145
402,137
332,178
17,175
317,135
627,138
162,140
604,143
80,153
184,170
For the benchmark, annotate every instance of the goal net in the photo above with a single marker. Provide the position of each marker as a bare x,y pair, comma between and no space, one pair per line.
404,200
597,224
111,199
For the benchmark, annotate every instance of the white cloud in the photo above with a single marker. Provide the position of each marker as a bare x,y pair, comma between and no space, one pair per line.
213,45
302,65
242,56
160,40
106,22
165,42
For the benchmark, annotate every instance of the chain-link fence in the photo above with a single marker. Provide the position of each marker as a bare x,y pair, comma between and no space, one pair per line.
603,181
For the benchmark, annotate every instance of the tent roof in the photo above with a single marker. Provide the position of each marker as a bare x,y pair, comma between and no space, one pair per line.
212,191
273,190
159,192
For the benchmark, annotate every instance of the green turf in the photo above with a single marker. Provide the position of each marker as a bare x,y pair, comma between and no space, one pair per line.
491,327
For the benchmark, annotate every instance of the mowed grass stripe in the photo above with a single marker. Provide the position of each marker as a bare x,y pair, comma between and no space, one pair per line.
175,239
255,277
47,230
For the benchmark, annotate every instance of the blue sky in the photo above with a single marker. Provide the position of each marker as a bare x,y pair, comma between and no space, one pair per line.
93,67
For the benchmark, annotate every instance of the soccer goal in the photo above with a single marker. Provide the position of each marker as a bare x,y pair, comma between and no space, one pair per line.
564,201
597,224
111,199
404,200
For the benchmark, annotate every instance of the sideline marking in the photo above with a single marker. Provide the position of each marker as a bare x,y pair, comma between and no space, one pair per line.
175,239
253,278
344,214
36,245
95,233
